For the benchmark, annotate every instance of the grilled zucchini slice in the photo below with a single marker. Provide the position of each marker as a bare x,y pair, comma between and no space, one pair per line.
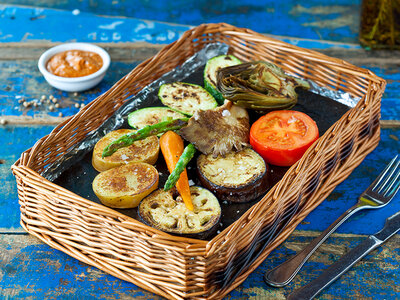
186,97
167,212
210,73
145,150
152,115
125,186
238,177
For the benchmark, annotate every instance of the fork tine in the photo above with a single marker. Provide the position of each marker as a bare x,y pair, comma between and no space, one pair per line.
392,190
378,185
391,179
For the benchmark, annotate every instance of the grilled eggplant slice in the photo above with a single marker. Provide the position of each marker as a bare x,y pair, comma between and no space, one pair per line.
186,98
125,186
145,150
164,211
219,130
237,177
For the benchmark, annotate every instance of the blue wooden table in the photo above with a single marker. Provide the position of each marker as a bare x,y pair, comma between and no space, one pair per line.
29,268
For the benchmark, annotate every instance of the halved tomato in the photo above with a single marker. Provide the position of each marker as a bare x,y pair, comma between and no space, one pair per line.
281,137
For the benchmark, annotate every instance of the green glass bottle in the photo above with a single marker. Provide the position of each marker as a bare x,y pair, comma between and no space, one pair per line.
380,24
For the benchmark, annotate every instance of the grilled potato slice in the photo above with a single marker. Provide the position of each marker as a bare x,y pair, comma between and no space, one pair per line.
238,177
140,151
125,186
168,213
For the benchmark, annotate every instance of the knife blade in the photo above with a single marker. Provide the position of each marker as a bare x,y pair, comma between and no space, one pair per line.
309,291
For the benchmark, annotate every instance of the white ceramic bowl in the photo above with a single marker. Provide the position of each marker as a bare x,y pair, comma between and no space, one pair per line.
74,84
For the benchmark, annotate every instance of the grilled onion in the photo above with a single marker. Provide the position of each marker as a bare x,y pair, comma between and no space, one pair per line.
261,86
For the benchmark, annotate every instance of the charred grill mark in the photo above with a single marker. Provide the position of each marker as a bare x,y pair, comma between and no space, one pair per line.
211,80
154,205
143,176
118,183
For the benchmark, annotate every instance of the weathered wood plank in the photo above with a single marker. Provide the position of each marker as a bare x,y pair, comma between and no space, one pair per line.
20,77
122,52
30,268
16,139
22,80
21,24
375,277
335,20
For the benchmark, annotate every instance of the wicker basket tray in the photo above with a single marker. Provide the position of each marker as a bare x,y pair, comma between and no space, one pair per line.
176,267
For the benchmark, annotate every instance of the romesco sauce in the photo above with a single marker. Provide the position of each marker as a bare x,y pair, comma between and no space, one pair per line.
74,63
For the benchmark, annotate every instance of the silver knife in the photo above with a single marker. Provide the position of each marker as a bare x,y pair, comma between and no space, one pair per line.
309,291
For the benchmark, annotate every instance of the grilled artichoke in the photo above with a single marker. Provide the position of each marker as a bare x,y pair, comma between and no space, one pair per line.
261,86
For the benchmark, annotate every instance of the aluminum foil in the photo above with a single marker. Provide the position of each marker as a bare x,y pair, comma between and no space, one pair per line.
146,98
339,96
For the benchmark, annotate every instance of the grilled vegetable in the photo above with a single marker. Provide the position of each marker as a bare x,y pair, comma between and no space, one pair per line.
167,213
172,147
125,186
145,150
186,98
180,166
237,177
152,115
218,131
282,137
259,85
149,130
210,74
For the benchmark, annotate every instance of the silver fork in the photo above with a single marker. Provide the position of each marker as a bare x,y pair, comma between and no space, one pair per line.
377,195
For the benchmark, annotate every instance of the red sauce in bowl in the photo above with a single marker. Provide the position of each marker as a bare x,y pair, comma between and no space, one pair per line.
74,63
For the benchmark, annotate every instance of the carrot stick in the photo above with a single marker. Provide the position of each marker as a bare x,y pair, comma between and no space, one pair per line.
171,145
